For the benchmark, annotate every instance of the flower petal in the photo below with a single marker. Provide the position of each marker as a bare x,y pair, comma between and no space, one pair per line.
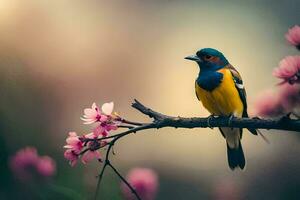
293,35
103,118
90,155
98,131
72,133
107,108
90,135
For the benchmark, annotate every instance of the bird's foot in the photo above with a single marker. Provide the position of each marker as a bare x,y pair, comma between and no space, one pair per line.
286,117
208,121
230,120
292,115
255,118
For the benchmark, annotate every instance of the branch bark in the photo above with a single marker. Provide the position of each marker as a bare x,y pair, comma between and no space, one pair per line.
161,120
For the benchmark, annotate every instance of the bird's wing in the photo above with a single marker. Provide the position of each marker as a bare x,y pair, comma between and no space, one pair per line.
196,91
239,86
242,92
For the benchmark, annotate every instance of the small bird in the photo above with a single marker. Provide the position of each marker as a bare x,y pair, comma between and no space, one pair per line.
219,87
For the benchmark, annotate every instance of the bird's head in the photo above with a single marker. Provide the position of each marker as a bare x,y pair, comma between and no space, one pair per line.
209,59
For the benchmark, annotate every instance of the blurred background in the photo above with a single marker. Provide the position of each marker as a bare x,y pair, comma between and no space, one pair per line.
58,57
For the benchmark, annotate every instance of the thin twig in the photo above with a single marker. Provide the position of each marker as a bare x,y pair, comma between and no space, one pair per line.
92,149
124,180
125,126
84,151
133,130
131,122
99,180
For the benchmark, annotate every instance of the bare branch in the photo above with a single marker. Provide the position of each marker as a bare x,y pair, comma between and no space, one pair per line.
131,122
162,120
148,111
125,126
99,181
124,180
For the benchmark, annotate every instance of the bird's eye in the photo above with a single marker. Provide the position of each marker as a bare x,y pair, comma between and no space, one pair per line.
207,57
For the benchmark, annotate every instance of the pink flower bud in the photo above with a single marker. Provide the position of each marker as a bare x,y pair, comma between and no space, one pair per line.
46,166
293,36
226,190
289,96
26,164
268,104
144,181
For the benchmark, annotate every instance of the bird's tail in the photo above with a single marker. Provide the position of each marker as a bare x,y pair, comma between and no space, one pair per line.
236,157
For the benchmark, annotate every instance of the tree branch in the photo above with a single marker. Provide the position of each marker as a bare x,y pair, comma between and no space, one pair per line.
161,120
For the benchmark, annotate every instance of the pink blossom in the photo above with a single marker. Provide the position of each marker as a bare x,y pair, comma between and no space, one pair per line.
227,190
110,124
23,161
99,130
293,36
104,128
108,120
46,166
289,96
268,104
90,136
92,115
26,163
74,147
74,142
90,155
71,156
144,181
289,69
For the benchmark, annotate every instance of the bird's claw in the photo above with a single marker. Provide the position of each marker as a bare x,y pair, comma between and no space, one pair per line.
285,117
208,121
230,120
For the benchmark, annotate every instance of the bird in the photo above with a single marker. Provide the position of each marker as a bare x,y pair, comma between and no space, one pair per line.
219,86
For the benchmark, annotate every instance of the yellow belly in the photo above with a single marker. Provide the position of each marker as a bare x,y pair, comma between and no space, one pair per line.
223,100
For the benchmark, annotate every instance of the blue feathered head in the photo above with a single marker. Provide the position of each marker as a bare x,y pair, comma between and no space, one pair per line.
209,58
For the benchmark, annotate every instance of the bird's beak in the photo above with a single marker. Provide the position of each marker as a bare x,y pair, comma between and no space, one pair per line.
193,58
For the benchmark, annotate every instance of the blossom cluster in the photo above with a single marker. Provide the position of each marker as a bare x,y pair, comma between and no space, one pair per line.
87,146
286,99
26,164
